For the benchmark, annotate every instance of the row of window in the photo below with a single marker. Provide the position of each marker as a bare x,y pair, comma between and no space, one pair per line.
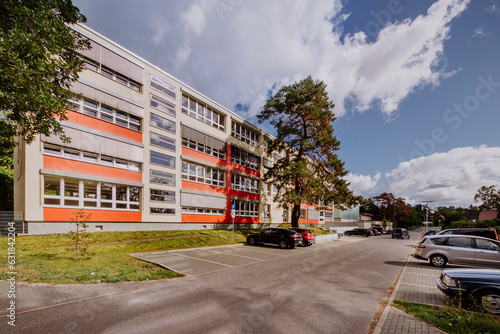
90,157
203,174
203,113
89,194
245,208
243,133
203,148
244,158
112,75
203,211
106,113
239,182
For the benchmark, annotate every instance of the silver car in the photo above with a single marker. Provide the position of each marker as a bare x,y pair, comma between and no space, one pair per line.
465,249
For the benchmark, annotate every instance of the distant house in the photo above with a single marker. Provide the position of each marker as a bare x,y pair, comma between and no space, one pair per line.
488,215
366,216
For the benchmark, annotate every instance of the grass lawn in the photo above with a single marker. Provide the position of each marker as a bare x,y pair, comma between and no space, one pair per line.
51,258
452,320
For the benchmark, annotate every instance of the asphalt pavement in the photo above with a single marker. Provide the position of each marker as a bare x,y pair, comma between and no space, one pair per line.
416,282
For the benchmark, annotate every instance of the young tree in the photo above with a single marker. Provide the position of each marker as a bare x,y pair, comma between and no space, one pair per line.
79,236
38,63
308,169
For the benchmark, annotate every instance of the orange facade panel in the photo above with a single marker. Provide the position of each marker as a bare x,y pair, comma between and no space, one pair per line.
65,214
86,168
203,188
210,219
102,126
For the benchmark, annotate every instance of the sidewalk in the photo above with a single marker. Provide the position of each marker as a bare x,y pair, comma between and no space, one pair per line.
417,283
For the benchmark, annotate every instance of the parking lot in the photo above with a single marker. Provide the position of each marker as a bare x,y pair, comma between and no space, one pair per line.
194,262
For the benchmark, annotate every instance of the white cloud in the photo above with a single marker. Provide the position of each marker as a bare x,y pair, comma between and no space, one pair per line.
363,184
194,18
451,178
252,45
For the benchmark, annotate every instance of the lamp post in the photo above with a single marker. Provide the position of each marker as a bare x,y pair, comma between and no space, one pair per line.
426,211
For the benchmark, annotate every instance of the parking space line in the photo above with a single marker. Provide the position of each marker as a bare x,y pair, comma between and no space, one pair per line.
195,258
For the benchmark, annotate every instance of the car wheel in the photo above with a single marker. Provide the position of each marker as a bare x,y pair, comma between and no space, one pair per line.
348,234
393,237
365,235
438,260
489,301
283,244
251,241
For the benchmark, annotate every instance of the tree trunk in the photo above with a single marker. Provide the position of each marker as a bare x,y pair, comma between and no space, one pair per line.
295,215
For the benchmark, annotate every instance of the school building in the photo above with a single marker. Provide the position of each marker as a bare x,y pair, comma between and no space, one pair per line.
148,152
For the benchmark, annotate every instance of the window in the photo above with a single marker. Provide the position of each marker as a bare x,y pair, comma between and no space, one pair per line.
488,245
265,188
302,214
111,74
162,159
203,113
245,208
439,241
243,133
203,174
162,123
162,87
106,113
68,153
162,141
201,142
67,192
192,210
164,211
266,209
161,178
460,242
244,158
242,183
162,196
162,105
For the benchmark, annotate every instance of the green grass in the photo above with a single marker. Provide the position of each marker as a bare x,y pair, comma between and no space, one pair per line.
452,320
51,258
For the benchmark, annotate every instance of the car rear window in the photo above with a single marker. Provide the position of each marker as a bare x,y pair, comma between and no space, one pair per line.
439,241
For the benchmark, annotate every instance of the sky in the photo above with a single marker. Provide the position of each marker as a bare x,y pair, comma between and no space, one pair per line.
416,84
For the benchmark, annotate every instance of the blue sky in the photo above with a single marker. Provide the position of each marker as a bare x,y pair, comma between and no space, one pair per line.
416,83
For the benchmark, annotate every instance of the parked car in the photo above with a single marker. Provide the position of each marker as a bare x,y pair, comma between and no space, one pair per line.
277,236
308,237
365,232
455,248
400,233
379,228
375,231
478,286
480,232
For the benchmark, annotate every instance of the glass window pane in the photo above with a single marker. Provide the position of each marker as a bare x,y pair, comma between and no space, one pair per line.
106,191
52,185
71,188
121,193
90,189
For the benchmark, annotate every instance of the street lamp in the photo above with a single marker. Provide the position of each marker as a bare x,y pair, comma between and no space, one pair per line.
426,211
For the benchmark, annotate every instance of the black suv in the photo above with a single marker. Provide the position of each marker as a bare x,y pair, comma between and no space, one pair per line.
277,236
480,232
365,232
400,233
